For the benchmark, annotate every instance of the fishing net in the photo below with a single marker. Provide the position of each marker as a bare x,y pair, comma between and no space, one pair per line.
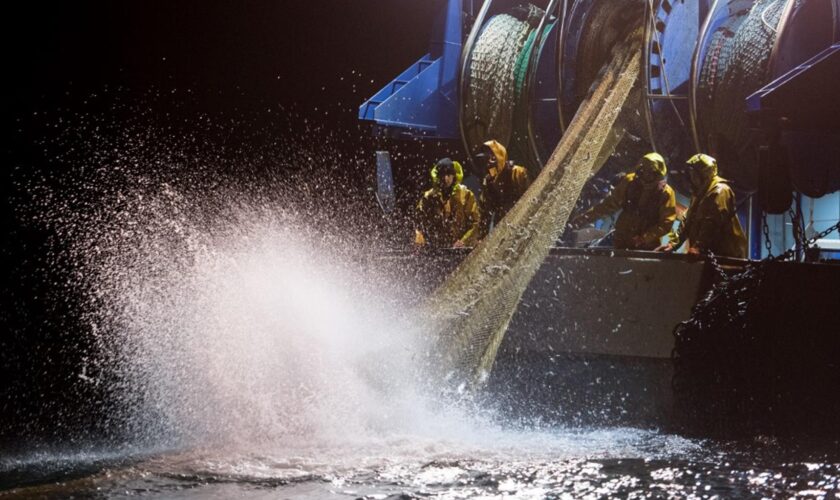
491,94
606,24
470,312
735,66
520,147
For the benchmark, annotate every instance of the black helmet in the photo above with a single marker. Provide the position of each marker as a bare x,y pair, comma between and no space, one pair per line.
445,167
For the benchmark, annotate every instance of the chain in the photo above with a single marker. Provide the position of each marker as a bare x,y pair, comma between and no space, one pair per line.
712,258
750,273
796,228
766,230
709,345
807,243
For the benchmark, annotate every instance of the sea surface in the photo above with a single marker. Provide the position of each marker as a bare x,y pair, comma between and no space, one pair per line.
496,463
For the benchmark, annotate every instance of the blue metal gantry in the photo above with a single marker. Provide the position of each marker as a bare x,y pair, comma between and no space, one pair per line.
423,100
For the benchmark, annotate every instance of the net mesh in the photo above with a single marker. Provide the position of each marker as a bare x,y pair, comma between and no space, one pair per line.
736,65
471,311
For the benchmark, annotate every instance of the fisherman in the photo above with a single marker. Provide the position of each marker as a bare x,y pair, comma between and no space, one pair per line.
711,223
447,214
503,185
647,203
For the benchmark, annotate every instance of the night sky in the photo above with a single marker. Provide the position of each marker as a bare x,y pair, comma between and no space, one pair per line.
252,59
262,61
254,52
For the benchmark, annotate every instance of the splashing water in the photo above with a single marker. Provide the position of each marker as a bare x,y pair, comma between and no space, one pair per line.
242,326
227,304
261,337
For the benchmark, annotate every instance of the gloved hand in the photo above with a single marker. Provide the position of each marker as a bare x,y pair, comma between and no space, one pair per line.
667,248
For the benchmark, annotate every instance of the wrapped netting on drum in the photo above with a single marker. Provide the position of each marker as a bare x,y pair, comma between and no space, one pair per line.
735,66
491,95
520,146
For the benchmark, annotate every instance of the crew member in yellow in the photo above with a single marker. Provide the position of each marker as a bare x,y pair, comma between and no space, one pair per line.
503,185
447,214
711,223
647,203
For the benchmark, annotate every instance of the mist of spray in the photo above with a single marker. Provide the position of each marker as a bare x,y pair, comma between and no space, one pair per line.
260,334
225,287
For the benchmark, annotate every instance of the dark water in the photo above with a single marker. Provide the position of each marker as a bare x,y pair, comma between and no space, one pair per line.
488,463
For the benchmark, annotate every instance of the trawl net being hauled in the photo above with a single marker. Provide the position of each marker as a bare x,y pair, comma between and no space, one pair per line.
472,309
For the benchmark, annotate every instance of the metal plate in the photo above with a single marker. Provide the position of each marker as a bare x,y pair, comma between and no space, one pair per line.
672,31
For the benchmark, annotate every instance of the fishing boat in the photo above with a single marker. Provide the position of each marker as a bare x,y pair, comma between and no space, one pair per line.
593,337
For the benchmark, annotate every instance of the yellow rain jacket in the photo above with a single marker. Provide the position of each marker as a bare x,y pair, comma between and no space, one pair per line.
711,223
648,211
502,186
445,218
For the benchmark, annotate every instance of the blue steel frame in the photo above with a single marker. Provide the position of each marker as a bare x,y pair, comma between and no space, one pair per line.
423,101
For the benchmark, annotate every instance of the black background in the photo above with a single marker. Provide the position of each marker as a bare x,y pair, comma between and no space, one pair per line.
252,52
314,59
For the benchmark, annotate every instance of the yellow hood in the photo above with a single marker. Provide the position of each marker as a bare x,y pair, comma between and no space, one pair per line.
655,162
705,163
707,168
500,152
459,174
